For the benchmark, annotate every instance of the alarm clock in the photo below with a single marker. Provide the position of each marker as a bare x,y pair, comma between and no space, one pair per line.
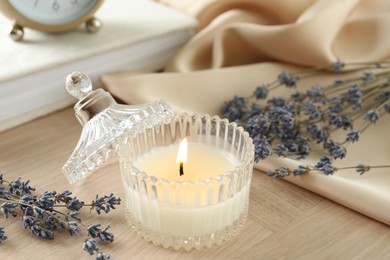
50,15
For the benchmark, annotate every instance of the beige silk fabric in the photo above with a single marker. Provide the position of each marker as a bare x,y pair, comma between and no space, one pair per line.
242,43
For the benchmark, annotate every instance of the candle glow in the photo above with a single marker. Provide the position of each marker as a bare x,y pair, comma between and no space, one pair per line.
182,155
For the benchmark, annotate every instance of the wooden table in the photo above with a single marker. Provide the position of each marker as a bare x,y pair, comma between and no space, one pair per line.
285,221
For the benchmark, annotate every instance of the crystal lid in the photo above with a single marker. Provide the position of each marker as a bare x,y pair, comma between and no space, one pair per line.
104,122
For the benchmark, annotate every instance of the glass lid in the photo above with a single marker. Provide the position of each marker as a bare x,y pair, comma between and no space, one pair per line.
104,121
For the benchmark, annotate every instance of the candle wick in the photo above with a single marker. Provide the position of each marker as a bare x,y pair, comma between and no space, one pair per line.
181,170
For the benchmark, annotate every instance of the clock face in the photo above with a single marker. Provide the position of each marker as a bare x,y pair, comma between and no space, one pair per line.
52,12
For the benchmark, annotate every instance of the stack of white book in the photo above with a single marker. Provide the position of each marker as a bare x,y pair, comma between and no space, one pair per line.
135,35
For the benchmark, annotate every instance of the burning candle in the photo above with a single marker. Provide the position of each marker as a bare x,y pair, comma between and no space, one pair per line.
186,161
187,191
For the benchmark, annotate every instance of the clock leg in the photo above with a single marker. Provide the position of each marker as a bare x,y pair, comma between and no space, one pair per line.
93,25
16,33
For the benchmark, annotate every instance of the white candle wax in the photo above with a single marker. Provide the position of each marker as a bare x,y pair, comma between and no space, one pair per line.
203,162
206,214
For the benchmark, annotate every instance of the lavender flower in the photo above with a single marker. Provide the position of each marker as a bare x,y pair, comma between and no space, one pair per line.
325,165
19,188
386,107
111,200
8,208
298,97
338,66
28,198
105,203
103,256
335,105
279,172
64,196
3,193
371,116
73,228
317,133
301,170
339,82
340,121
316,94
47,234
52,223
261,149
41,231
281,150
28,221
383,96
312,110
90,246
105,236
73,216
39,212
303,149
328,169
235,109
335,150
324,160
292,108
353,96
261,92
287,121
287,79
47,200
353,136
75,204
361,169
368,77
94,231
277,101
3,237
253,125
257,109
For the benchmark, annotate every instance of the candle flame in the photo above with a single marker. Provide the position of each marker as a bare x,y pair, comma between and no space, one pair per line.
182,153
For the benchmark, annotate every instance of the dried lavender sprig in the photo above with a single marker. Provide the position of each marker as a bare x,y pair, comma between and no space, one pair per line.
286,127
39,213
362,168
239,107
303,169
290,79
46,233
42,214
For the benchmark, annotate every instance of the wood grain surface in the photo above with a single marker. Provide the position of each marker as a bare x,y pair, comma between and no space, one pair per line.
285,221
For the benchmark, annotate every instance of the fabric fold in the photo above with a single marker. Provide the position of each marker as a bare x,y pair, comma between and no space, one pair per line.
240,44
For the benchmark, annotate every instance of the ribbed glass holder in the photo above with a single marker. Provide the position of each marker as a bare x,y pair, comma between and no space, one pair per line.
188,214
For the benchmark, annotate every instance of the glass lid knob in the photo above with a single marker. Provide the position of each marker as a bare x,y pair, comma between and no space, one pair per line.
78,84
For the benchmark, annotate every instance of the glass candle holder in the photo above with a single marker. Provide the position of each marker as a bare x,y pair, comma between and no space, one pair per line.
206,205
